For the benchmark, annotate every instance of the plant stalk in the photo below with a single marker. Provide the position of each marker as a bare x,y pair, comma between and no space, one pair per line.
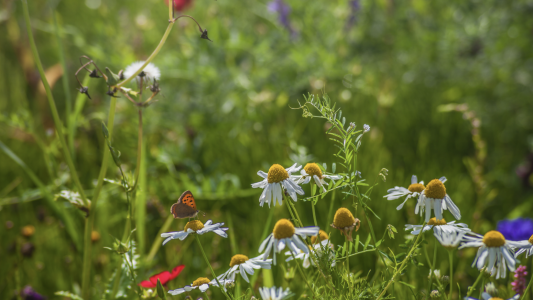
222,288
400,269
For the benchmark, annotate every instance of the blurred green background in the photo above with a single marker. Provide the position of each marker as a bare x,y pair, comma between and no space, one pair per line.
224,113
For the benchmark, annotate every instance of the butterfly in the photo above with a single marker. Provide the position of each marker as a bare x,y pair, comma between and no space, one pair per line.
185,208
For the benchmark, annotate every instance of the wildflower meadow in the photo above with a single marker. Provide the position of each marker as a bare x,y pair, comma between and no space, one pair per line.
239,150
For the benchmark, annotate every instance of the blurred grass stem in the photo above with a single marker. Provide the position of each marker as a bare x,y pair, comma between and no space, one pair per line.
53,108
450,255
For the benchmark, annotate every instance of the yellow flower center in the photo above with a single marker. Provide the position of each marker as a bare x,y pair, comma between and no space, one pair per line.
435,189
434,221
277,173
416,187
323,236
531,239
194,225
313,169
200,281
343,218
495,298
238,259
28,230
283,229
95,236
493,239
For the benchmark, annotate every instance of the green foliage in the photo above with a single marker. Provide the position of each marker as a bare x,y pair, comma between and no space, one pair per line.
445,87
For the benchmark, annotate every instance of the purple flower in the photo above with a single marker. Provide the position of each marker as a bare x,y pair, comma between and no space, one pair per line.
519,284
516,230
283,10
354,8
29,294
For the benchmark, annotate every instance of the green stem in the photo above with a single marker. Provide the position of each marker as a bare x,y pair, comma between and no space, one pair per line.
53,108
55,114
313,191
295,212
529,285
157,244
374,237
86,271
302,274
222,288
400,269
207,297
482,287
472,288
139,150
288,207
432,270
450,255
152,56
66,85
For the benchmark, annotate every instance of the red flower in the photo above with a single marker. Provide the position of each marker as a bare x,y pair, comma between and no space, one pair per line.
181,5
164,277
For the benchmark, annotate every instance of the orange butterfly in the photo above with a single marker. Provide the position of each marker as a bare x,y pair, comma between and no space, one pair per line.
185,208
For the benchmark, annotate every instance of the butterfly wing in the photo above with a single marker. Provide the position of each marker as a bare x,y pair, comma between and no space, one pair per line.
185,208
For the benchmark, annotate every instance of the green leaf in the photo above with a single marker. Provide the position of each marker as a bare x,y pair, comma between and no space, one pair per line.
160,290
406,284
68,295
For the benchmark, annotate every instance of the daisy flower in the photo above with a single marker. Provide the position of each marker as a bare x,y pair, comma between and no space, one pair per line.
312,171
274,293
285,234
196,226
434,197
413,191
487,296
150,72
324,247
275,181
525,246
439,227
345,222
495,253
201,283
242,264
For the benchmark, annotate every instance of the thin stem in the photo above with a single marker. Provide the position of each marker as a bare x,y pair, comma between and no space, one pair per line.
289,208
529,285
482,287
432,270
152,56
211,268
53,108
450,255
374,236
207,297
472,288
296,213
68,98
400,269
86,271
313,190
139,150
302,273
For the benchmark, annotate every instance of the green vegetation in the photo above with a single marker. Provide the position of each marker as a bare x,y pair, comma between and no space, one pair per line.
86,188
